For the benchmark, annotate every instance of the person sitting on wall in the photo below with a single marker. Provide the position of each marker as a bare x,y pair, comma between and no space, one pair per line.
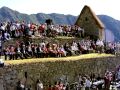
39,51
74,48
29,50
45,51
61,51
6,52
55,51
6,35
52,50
68,49
18,53
84,49
41,29
24,52
100,45
33,49
12,52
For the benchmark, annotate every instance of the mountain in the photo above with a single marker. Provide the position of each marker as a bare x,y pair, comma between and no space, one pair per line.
7,14
111,24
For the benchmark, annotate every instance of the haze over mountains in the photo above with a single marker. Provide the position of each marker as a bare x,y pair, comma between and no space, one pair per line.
7,14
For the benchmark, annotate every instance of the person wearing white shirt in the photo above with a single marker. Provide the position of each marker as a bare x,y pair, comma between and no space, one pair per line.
88,84
39,85
100,45
7,36
42,44
12,29
74,49
61,49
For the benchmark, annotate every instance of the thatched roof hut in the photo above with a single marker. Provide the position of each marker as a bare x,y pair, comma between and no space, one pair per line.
91,23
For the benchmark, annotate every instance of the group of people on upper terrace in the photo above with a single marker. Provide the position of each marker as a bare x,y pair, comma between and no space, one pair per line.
17,29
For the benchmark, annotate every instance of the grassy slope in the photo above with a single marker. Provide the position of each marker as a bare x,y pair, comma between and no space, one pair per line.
72,58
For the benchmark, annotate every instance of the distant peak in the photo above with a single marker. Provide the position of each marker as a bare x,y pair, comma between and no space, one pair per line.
4,7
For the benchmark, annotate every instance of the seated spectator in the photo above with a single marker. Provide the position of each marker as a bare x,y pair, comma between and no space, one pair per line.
67,49
45,51
6,36
12,53
61,51
24,52
99,45
39,51
18,53
84,49
74,48
17,33
55,51
29,50
6,52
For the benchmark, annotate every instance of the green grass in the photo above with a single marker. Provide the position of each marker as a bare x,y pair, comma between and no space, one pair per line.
71,58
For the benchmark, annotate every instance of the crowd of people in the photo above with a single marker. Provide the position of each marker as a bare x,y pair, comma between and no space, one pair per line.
9,30
82,82
17,29
24,50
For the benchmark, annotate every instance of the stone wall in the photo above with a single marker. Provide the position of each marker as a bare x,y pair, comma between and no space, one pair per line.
38,40
48,72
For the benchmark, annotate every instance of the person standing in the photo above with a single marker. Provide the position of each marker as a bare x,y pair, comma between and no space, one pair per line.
88,83
56,86
107,80
50,87
82,85
39,85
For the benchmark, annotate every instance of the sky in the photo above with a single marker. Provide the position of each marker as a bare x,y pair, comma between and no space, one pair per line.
73,7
